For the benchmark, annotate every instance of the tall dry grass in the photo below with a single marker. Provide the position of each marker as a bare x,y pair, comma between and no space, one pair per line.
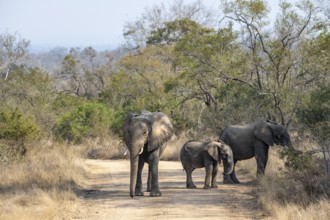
281,196
173,148
42,185
111,147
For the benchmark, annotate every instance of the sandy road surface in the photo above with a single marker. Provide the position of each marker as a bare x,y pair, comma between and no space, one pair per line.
106,195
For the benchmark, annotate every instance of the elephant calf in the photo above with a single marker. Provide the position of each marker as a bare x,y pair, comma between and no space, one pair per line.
198,154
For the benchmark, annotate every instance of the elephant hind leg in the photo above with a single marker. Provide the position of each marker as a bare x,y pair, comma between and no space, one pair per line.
189,182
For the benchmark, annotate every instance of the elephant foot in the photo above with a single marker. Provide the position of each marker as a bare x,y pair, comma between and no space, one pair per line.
207,187
214,186
236,181
227,180
155,193
139,193
234,178
191,186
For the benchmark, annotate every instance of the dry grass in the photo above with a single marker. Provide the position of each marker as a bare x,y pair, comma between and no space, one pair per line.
42,186
110,148
37,204
281,196
319,210
173,148
279,193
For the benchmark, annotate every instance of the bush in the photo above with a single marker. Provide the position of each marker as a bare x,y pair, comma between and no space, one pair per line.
89,120
15,126
16,131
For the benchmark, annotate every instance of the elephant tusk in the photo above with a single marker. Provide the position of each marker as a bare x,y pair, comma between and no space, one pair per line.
125,152
141,151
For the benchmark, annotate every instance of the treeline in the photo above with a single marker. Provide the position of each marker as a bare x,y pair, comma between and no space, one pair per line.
204,70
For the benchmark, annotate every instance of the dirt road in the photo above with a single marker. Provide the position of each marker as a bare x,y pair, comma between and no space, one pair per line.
106,195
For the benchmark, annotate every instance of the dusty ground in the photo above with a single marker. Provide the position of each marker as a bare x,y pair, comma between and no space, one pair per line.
105,195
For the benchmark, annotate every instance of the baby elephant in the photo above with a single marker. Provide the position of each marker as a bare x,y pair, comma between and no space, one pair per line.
198,154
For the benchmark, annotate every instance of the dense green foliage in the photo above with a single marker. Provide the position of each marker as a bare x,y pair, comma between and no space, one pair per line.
15,126
17,132
90,120
316,114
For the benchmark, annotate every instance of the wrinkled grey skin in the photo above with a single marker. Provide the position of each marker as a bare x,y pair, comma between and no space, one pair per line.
198,154
253,140
145,135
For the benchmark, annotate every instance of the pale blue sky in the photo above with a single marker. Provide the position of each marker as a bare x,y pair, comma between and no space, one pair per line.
70,23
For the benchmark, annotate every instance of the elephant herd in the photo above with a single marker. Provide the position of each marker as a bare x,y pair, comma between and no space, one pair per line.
146,134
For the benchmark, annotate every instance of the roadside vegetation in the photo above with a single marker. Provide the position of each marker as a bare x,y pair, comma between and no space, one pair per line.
205,68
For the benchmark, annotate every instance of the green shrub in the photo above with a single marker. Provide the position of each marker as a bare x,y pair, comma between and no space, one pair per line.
66,102
16,133
15,126
89,120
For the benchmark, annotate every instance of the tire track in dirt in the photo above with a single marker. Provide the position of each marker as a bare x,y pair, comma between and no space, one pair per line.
105,195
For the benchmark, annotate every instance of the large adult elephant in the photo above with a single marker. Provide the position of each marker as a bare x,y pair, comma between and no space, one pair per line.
145,135
253,140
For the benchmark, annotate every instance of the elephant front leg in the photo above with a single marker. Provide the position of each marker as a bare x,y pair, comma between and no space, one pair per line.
214,175
153,164
231,178
138,188
208,171
149,180
261,158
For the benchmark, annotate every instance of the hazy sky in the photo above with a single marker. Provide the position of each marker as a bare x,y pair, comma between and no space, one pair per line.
70,23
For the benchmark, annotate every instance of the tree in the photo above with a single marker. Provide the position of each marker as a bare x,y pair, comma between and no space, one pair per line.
137,32
31,91
140,82
275,62
13,51
82,74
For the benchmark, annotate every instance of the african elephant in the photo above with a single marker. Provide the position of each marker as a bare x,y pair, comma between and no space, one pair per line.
145,135
198,154
253,140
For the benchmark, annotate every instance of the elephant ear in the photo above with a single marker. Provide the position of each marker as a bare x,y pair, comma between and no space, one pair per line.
264,133
161,130
213,151
126,126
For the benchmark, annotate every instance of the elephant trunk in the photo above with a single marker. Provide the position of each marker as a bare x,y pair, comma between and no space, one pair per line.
134,159
228,166
228,163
